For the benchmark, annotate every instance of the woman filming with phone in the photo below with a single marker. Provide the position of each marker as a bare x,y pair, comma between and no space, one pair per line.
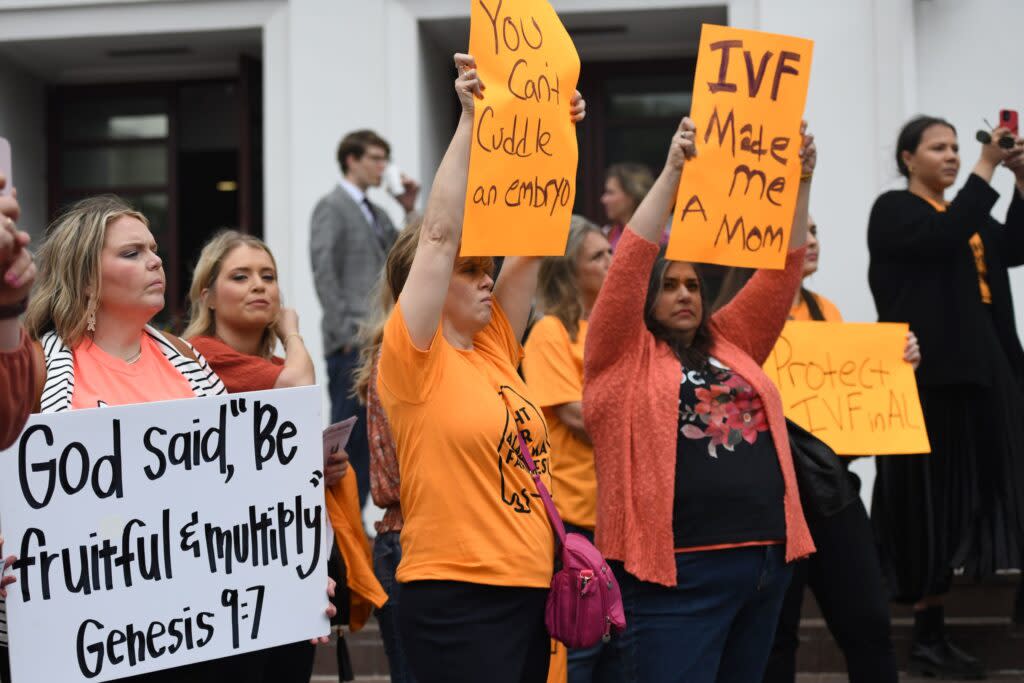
942,266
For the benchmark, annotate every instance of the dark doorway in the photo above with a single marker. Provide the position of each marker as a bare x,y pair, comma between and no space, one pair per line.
632,110
186,154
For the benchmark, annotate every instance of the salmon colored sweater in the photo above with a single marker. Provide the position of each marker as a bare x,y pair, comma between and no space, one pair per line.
631,399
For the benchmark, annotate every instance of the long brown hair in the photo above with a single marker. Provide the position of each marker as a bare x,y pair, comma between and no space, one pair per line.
558,293
69,267
202,320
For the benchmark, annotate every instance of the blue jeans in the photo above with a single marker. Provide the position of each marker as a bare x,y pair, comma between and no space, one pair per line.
387,553
716,625
601,663
341,365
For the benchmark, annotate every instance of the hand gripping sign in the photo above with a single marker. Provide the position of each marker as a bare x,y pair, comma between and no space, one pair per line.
157,535
522,168
737,198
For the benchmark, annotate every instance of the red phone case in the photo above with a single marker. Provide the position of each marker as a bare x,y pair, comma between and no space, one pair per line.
1008,119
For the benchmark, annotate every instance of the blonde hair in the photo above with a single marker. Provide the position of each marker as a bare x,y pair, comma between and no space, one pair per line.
69,267
557,290
202,320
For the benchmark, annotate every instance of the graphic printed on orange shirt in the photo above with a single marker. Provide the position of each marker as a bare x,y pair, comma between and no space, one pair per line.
509,452
978,249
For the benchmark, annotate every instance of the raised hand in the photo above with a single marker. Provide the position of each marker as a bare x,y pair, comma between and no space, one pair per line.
808,152
577,107
468,85
17,269
683,146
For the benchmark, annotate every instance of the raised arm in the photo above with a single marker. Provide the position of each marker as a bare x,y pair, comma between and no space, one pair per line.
1013,232
422,298
616,326
298,366
808,159
902,227
650,217
17,269
517,282
17,366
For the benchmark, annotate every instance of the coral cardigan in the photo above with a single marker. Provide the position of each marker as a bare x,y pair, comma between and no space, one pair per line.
631,399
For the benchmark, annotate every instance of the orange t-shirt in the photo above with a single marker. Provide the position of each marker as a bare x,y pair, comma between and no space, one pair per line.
553,367
828,309
471,509
103,380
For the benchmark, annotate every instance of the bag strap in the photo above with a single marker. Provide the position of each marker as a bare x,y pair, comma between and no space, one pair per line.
179,344
812,304
549,505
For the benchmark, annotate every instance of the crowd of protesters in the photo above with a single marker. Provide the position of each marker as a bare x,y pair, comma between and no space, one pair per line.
639,391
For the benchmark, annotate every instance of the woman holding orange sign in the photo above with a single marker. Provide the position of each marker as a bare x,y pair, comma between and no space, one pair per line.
477,548
697,497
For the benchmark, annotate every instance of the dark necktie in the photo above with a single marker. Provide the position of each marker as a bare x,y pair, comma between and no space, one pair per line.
378,229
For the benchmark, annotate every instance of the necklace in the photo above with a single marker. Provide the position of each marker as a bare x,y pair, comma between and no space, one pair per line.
134,358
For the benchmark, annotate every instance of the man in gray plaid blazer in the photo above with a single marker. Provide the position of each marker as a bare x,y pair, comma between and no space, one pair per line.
349,242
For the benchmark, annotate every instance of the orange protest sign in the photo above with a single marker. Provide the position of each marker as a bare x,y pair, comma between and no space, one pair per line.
522,168
847,384
737,198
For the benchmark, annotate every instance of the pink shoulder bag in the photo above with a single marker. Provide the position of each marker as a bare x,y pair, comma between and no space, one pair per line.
584,604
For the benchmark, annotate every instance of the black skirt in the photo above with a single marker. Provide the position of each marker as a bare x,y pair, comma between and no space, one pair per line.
961,507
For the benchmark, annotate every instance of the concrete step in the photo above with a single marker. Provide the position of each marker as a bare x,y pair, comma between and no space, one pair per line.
978,617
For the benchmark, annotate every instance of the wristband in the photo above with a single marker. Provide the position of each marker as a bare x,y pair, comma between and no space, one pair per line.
9,311
285,342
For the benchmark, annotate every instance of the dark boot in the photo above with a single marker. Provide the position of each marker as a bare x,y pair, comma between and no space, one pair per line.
931,653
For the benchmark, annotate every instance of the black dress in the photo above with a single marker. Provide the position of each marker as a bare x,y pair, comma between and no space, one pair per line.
945,273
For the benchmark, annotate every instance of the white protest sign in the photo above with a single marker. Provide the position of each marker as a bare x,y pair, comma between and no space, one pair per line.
157,535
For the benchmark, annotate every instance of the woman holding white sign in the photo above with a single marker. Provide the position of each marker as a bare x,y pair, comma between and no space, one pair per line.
942,266
697,497
101,282
477,548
